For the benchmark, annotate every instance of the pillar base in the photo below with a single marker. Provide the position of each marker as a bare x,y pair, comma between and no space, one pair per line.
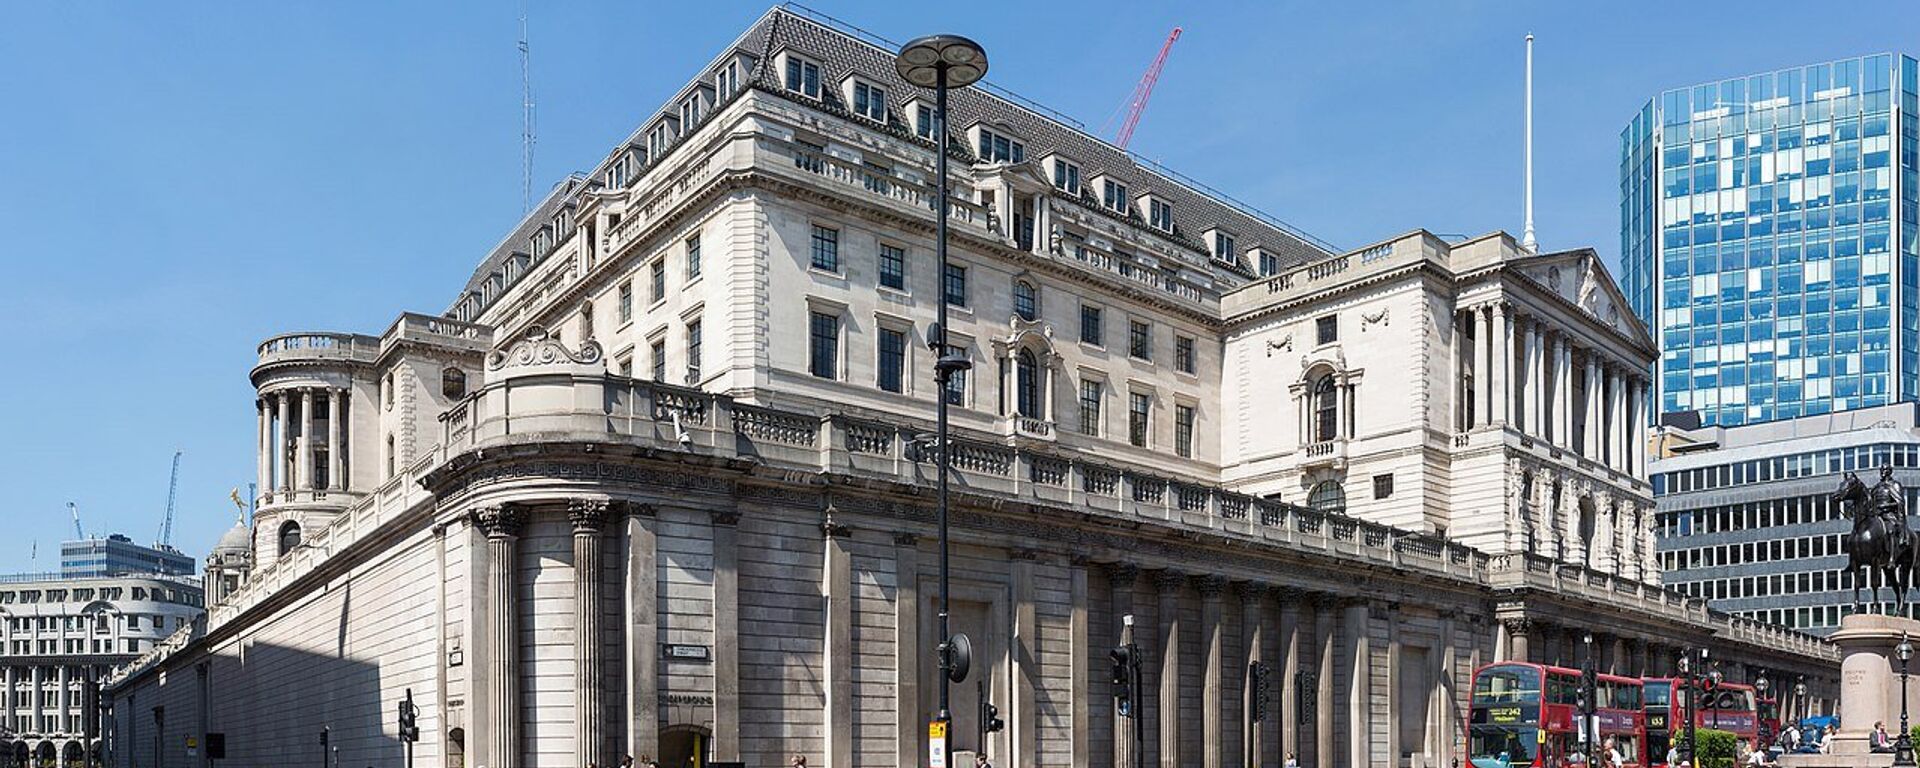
1870,688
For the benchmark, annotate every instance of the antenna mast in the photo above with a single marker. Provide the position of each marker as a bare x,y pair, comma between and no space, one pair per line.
1526,236
526,115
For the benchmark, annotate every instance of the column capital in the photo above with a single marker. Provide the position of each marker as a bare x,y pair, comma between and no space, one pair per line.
588,515
1210,585
906,539
1519,625
726,517
500,521
1252,591
1169,579
1122,574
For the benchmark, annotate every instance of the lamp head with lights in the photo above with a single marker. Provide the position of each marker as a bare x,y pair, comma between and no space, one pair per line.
1904,650
922,59
1760,684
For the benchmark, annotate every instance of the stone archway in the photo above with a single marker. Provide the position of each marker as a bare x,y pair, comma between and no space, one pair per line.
685,746
72,755
44,756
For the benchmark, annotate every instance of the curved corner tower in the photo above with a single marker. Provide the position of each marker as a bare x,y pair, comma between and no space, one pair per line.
313,388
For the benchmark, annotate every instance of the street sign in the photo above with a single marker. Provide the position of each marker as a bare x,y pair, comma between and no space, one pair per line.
193,747
937,744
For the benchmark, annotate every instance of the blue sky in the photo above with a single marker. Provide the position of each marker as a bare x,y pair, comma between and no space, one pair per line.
181,180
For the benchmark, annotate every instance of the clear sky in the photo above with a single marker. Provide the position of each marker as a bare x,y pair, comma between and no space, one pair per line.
181,180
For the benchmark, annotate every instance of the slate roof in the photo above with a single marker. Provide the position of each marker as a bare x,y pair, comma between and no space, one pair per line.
843,50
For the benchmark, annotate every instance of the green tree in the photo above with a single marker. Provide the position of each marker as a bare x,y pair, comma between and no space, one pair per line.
1718,749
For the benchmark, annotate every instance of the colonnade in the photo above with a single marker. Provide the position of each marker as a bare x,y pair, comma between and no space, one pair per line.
290,453
1533,376
500,699
1319,648
37,692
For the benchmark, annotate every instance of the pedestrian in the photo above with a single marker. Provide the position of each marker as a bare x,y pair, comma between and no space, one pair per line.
1292,762
980,760
1673,755
1614,758
799,761
626,761
1880,741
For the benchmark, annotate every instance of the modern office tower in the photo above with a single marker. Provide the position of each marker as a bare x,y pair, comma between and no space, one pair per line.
1760,220
1745,520
117,555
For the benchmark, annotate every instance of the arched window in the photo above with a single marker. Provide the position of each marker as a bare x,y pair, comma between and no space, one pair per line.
1326,409
1027,384
1026,300
453,383
1589,523
1327,496
289,537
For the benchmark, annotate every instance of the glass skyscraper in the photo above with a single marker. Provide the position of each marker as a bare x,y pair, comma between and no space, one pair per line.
1758,240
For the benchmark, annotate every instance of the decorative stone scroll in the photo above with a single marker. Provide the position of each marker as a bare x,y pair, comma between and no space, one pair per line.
540,348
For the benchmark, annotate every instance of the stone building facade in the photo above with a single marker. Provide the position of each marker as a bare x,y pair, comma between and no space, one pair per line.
59,637
657,482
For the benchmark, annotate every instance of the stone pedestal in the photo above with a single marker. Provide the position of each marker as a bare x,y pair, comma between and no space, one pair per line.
1870,678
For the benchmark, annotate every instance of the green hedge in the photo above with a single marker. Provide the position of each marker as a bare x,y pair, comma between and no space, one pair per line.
1718,749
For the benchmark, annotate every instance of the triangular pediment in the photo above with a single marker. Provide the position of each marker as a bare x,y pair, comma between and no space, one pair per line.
1579,277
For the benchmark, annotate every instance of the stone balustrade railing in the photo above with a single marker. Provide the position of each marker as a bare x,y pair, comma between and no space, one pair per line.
668,418
319,346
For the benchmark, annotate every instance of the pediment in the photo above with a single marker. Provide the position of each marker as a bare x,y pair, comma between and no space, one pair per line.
1582,279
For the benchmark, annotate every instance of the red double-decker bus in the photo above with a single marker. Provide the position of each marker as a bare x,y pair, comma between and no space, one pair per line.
1728,707
1522,714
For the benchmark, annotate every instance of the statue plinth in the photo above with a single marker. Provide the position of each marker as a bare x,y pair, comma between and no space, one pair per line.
1870,678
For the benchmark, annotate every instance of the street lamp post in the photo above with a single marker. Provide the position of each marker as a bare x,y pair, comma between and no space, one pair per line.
941,62
1903,746
1589,701
1760,685
1799,697
1688,685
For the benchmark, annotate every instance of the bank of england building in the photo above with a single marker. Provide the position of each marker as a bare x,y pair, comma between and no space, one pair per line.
657,482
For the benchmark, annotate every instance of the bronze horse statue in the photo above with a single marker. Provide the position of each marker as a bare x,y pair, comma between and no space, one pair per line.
1880,541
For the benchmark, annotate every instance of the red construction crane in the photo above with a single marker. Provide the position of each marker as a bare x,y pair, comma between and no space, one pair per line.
1137,103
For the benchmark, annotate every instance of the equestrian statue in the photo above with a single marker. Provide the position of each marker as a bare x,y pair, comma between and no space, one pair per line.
1881,539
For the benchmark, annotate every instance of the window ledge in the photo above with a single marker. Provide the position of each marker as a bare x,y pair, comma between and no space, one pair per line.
838,277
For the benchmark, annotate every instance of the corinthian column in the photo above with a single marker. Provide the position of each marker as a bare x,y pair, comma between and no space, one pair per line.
589,517
1502,361
1168,712
281,442
305,454
335,451
500,742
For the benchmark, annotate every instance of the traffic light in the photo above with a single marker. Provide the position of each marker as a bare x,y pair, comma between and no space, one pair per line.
993,721
1261,690
409,719
1589,686
1122,679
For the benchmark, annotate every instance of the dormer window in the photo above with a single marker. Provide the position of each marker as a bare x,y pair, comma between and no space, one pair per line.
1160,214
726,80
869,101
1222,244
690,110
1269,263
1066,176
1000,148
661,137
622,172
542,241
922,119
803,76
1113,195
